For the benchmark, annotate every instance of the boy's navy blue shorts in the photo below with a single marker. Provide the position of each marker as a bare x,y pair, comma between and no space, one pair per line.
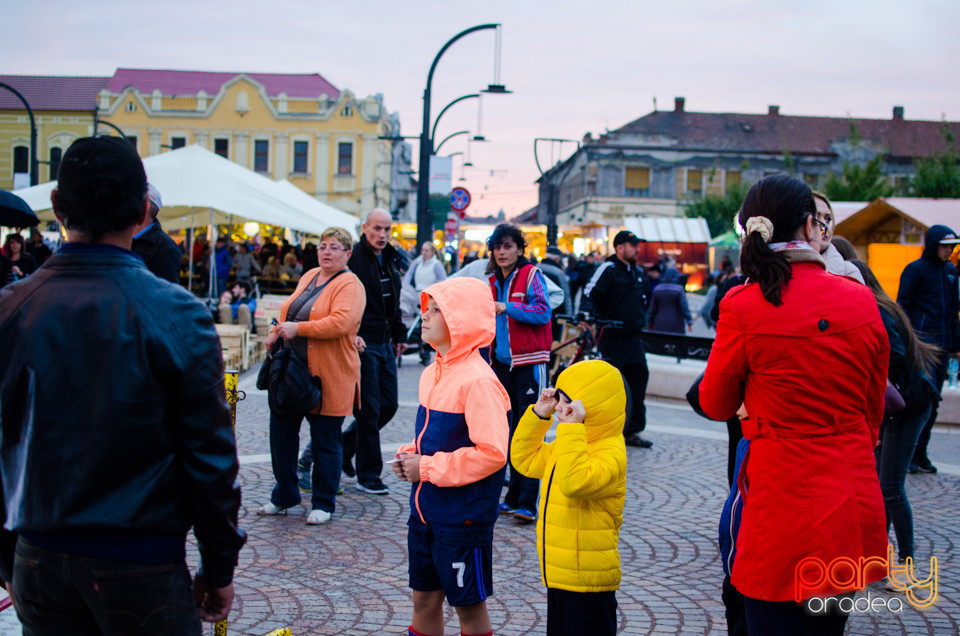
458,560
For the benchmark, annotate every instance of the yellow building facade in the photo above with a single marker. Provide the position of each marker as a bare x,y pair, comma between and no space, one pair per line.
63,110
326,144
324,140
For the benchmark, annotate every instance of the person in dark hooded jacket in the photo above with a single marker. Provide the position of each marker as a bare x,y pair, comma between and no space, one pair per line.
929,295
669,310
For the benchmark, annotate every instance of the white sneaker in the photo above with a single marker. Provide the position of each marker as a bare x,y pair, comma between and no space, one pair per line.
318,517
270,509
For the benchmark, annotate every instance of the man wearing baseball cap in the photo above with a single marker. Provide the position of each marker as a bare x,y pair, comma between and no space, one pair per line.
929,295
154,246
619,291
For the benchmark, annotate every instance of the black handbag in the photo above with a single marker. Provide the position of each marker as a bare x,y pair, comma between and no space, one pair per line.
291,388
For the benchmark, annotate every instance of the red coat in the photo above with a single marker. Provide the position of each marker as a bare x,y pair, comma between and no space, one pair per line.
811,374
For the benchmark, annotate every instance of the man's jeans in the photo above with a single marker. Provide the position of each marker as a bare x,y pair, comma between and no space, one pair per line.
628,356
57,593
939,376
897,443
378,405
284,445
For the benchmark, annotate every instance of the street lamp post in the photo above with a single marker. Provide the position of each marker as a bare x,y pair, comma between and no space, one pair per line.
552,190
34,163
424,219
97,122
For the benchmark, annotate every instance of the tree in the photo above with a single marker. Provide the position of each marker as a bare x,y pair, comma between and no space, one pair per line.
859,183
938,176
719,211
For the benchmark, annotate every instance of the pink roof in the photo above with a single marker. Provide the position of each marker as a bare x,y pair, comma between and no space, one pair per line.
52,92
929,211
191,82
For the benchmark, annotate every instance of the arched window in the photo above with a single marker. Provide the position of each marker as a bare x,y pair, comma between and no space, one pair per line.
21,160
55,155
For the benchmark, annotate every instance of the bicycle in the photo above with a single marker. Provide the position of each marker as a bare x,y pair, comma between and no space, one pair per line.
585,340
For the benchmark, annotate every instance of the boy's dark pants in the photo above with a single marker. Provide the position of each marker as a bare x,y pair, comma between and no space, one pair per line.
577,613
523,389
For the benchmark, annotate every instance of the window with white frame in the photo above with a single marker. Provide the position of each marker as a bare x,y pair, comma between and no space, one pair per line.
301,153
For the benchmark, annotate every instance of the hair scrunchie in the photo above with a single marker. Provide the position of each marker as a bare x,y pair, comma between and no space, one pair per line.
760,224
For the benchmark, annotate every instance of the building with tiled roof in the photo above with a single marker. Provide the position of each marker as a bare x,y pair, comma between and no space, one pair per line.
299,127
654,164
63,110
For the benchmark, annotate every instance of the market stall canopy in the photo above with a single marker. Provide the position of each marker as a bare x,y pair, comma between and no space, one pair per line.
197,184
662,229
901,220
727,239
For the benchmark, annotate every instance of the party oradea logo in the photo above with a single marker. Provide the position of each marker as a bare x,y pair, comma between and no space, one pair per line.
814,576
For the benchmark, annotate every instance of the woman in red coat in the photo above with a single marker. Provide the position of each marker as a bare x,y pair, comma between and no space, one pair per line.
805,352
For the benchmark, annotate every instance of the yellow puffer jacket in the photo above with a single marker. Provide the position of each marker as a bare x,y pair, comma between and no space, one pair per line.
584,473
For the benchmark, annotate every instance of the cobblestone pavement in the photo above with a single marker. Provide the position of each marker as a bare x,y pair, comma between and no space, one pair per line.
349,576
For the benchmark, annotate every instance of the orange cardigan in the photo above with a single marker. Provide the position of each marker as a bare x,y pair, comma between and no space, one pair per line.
331,332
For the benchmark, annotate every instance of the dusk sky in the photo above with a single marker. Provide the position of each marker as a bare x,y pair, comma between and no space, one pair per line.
573,67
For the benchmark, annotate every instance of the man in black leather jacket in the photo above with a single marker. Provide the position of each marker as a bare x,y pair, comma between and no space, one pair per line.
381,339
619,291
116,436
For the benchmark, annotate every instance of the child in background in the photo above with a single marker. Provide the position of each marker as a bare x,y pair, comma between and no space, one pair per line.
457,461
584,473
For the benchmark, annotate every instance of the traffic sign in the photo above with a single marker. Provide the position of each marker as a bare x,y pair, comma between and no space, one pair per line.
459,199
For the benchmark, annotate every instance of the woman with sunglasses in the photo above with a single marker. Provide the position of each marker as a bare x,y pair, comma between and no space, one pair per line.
831,256
808,483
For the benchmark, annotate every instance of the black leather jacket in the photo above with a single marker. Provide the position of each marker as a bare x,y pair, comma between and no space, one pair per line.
159,252
114,416
381,319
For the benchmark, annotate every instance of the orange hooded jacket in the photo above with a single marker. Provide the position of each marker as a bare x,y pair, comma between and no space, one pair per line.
462,429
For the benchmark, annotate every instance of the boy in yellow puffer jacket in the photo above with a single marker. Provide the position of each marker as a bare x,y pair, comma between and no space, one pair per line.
584,473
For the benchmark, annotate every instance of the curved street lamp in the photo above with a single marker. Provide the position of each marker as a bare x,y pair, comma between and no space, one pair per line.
424,219
553,196
34,163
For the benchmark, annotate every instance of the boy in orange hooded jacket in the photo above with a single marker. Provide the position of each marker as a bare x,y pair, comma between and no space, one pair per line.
456,462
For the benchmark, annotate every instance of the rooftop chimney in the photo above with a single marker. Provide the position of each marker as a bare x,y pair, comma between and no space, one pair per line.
678,104
898,112
773,110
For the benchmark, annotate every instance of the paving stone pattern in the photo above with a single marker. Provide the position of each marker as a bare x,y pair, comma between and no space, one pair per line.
350,576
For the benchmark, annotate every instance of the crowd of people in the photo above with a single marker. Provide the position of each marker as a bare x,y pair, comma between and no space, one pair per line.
828,386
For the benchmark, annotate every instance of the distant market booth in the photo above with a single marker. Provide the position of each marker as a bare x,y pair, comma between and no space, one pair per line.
889,232
684,239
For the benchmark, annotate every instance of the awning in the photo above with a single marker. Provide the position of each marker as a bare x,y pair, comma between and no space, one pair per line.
661,229
199,186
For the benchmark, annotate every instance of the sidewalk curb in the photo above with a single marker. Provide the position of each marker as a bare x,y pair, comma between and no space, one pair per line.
671,380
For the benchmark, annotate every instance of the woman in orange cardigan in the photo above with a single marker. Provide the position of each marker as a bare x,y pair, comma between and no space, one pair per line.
320,321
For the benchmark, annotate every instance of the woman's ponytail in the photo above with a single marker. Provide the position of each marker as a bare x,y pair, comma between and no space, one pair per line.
773,210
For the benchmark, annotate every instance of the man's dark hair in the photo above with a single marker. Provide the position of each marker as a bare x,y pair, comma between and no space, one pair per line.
101,186
506,231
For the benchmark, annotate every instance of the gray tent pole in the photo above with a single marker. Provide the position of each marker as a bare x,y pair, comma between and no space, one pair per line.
190,240
212,291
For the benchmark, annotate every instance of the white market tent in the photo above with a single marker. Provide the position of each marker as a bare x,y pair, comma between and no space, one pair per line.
200,187
665,229
330,215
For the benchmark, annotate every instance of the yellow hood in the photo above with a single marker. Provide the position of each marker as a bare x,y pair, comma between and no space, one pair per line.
600,387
